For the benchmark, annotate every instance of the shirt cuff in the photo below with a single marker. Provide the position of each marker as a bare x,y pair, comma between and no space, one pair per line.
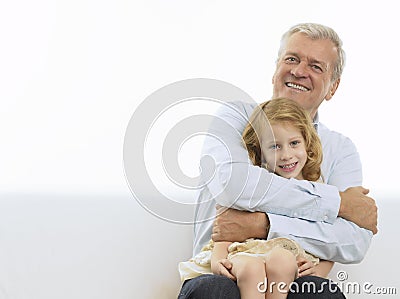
329,203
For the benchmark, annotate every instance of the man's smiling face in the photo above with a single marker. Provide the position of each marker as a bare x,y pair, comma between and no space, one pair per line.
304,71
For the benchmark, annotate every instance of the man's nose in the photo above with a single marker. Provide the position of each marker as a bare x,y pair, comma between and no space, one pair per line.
300,70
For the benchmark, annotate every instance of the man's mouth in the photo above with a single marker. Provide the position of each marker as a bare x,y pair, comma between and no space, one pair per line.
297,86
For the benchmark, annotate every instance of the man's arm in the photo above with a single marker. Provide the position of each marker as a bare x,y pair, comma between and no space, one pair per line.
232,224
342,168
343,241
236,225
359,208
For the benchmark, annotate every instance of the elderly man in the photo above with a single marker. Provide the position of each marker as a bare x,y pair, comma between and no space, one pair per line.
334,220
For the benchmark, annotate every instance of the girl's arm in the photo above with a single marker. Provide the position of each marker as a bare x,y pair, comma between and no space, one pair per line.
219,262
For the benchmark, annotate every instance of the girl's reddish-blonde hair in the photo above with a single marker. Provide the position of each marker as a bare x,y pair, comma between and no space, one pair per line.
281,111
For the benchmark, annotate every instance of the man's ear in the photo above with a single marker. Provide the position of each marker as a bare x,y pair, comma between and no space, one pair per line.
332,90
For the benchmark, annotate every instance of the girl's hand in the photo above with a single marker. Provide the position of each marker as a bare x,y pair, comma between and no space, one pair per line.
223,267
305,267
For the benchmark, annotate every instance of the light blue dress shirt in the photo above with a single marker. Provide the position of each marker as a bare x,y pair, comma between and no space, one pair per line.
300,210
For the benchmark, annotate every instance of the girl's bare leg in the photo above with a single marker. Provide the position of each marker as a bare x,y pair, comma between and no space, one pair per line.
249,272
281,269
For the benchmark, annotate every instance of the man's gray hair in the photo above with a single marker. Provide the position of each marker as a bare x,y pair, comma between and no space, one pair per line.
315,32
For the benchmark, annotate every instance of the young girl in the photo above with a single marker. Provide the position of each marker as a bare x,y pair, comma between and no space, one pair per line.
281,138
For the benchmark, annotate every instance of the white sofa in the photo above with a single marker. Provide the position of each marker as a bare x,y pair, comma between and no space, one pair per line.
108,246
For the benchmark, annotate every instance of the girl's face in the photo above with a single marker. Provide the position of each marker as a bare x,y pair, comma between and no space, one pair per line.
285,154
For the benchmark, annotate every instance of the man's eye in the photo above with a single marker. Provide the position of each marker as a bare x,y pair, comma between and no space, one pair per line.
290,59
317,68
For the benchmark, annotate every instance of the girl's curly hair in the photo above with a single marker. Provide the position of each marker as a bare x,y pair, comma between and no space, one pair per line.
282,110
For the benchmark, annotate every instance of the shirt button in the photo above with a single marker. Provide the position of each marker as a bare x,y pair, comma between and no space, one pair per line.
325,217
295,214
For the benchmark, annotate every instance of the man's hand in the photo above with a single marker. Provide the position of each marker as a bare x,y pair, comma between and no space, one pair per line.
234,225
359,208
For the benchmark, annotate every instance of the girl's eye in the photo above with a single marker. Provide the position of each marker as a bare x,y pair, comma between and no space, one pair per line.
275,146
294,143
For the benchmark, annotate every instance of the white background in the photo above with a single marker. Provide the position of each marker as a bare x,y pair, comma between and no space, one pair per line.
73,72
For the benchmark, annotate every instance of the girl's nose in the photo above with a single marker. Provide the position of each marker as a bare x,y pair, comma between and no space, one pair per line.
286,154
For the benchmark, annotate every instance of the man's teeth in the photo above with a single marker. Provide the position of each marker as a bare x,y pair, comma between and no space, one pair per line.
288,165
299,87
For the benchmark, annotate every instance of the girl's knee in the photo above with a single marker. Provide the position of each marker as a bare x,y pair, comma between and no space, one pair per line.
281,262
245,267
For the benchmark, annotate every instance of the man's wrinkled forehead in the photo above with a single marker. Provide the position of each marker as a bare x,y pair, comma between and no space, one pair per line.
316,51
